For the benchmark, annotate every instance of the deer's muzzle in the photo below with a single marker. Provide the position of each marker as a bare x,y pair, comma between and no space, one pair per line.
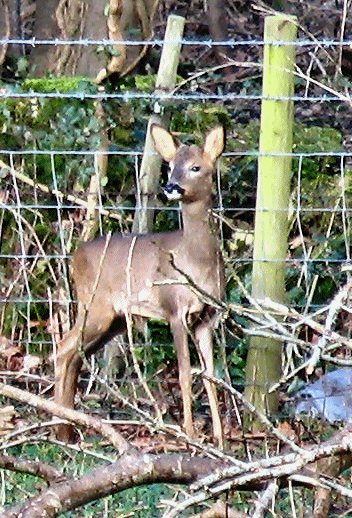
173,191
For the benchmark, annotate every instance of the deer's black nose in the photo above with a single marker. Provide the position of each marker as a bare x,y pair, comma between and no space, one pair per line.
173,191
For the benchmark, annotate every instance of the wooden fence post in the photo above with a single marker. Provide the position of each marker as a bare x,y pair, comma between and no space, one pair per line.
273,190
150,168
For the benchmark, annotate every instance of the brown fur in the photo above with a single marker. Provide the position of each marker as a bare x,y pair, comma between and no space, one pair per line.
134,276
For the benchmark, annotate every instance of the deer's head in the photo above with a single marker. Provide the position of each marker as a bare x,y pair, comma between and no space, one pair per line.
191,167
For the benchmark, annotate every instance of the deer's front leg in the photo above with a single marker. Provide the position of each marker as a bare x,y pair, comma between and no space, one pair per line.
184,372
204,342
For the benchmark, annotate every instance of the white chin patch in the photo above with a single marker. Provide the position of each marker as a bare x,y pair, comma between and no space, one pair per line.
174,195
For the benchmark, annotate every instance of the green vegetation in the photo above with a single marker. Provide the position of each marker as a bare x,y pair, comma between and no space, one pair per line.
31,225
139,501
72,125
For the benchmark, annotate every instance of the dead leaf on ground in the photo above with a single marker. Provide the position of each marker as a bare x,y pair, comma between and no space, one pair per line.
11,356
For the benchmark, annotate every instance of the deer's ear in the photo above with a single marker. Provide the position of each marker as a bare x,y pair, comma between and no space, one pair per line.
214,143
164,142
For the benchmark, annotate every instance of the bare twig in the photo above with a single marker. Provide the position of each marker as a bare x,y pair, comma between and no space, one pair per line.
62,196
74,416
265,499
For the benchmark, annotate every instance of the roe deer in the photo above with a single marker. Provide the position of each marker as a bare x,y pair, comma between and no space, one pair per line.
141,276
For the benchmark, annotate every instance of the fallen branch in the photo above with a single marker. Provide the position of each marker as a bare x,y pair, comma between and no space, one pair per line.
208,477
32,467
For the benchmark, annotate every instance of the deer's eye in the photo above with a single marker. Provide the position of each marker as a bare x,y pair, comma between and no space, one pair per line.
195,168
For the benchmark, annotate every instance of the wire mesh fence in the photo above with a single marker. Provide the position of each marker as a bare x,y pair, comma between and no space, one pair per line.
51,147
70,162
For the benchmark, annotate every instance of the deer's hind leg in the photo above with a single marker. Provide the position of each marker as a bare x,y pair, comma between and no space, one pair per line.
68,364
82,338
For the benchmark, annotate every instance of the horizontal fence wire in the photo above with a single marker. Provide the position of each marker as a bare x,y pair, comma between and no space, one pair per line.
193,42
199,97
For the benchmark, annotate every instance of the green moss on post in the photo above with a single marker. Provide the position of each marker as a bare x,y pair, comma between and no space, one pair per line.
270,237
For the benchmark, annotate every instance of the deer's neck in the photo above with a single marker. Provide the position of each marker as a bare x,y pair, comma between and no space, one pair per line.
197,222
